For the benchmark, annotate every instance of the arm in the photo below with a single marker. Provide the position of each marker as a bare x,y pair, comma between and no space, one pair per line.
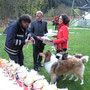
46,31
65,36
32,30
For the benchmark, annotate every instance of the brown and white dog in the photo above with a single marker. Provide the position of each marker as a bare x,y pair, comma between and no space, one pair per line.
65,55
56,67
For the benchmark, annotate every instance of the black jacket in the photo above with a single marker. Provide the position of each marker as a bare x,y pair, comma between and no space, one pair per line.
15,39
35,30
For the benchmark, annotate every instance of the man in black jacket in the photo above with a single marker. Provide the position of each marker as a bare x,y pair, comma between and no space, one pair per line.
38,29
17,37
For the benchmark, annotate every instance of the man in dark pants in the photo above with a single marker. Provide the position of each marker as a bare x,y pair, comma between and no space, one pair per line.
38,29
16,38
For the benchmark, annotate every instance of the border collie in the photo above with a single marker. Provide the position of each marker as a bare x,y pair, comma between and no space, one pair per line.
56,67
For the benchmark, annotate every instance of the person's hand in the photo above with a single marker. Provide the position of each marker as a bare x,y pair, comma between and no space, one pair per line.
32,40
51,40
38,37
26,41
54,36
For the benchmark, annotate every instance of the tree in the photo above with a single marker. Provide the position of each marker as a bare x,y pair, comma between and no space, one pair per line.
14,8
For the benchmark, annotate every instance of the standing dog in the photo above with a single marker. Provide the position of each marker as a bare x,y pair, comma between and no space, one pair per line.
57,67
65,55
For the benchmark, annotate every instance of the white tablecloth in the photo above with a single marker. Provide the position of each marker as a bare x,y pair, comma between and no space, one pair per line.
6,84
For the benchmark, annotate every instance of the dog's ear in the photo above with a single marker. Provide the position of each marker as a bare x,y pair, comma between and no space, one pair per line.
46,54
65,55
78,55
48,50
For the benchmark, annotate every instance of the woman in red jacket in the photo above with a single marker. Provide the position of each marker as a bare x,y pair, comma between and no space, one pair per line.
62,35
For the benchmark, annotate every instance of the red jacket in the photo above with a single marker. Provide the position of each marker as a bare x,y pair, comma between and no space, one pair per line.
62,37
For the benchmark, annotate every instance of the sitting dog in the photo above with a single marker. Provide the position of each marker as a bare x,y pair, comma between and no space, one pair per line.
56,67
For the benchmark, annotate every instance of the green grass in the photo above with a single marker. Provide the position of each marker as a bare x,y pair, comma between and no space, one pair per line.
2,29
50,26
79,42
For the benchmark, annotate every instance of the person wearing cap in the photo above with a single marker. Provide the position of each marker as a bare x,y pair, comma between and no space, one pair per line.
38,29
17,38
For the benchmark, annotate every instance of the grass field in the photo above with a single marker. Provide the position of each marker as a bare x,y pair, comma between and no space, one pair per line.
79,42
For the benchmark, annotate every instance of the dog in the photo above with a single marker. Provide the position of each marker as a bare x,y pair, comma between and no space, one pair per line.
78,55
62,55
56,67
65,55
49,60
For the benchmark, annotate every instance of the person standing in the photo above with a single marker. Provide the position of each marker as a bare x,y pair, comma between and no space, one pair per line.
38,29
63,34
56,19
17,38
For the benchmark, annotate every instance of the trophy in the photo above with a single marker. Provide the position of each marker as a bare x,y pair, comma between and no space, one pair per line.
29,82
22,74
15,68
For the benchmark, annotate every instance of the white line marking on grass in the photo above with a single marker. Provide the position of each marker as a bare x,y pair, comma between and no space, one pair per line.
80,28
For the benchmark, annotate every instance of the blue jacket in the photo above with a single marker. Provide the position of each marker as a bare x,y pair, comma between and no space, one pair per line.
15,39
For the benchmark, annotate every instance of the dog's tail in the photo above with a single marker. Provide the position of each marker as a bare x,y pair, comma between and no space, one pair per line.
85,59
